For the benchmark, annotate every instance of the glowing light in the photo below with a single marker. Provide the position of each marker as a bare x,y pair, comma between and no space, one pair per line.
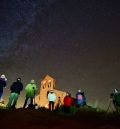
49,81
47,106
44,82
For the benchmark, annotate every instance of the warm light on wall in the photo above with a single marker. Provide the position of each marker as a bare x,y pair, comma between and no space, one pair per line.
49,81
46,106
44,82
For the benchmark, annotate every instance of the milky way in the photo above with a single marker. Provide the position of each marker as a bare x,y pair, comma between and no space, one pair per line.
76,42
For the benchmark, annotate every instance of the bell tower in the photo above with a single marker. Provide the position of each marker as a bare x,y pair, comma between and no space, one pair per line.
47,84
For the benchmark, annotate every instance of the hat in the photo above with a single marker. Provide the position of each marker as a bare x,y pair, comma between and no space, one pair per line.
79,90
32,81
51,91
19,79
68,94
116,90
3,77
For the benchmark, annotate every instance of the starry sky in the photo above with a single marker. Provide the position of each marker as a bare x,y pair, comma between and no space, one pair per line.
76,42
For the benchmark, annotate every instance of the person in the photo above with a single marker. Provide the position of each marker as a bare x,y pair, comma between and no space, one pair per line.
51,99
67,102
116,99
3,84
31,90
80,98
15,88
59,102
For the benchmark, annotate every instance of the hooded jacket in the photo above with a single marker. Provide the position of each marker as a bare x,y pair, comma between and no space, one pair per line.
67,101
80,98
31,89
16,87
116,99
51,96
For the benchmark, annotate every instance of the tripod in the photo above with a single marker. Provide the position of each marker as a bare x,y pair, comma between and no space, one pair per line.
110,105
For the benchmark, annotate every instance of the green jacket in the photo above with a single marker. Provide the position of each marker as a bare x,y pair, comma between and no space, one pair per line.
30,90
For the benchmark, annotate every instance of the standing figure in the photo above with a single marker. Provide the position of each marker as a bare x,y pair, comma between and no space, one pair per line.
80,98
116,99
59,103
3,80
15,88
67,102
51,99
30,93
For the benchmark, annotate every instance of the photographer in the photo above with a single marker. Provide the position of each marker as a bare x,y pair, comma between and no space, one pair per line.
116,99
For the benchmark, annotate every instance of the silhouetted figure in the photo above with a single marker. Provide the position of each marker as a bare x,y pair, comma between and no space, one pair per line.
80,98
51,99
15,88
67,102
116,99
3,84
30,94
59,102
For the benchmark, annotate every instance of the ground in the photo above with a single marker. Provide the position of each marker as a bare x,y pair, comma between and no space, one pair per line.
43,119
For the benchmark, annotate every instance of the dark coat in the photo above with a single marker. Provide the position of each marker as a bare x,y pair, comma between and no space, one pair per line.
116,99
2,84
16,87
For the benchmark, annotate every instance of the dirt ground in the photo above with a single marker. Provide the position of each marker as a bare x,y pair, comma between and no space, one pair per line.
39,119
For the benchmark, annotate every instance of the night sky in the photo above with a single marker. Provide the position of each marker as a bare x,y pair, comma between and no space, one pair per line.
77,42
